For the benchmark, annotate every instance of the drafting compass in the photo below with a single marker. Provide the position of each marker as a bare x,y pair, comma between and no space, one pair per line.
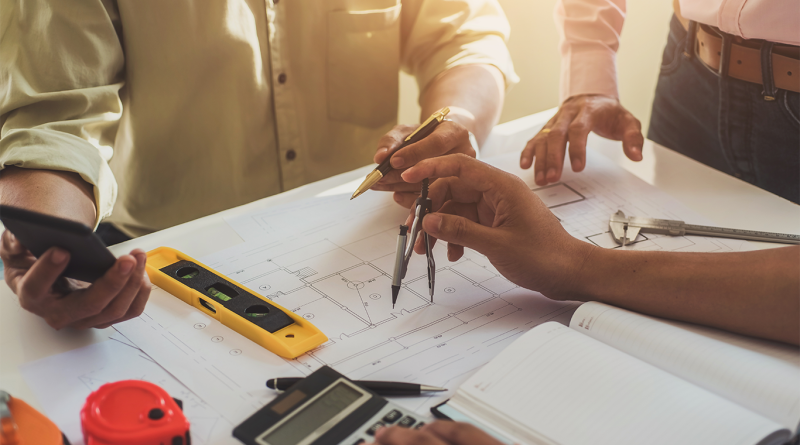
422,207
626,229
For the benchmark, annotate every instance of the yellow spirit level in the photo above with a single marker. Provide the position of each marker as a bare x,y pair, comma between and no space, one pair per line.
237,307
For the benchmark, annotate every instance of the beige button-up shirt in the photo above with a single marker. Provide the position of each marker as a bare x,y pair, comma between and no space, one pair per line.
177,109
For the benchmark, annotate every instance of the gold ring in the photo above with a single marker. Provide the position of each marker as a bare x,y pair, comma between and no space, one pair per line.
545,131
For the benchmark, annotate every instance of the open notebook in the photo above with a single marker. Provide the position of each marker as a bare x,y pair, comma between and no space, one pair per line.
617,377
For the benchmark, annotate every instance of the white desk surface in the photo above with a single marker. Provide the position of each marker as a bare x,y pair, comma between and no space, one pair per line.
725,200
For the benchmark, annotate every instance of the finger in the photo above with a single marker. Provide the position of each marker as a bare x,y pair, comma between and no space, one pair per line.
446,138
481,175
398,187
391,140
462,231
392,177
578,132
540,167
405,199
557,146
35,284
137,306
119,306
396,435
11,246
13,254
94,299
526,157
454,252
459,433
632,138
465,210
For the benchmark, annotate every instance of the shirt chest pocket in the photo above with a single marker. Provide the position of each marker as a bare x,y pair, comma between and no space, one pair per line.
363,64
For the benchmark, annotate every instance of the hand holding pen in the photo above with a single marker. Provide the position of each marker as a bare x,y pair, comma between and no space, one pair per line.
447,137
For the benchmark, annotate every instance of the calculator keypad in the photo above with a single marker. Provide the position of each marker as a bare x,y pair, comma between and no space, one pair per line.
374,428
406,422
389,415
393,416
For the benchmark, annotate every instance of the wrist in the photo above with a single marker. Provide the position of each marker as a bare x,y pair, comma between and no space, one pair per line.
576,270
589,96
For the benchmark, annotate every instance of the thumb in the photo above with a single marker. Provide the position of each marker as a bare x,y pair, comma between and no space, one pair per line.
632,139
459,230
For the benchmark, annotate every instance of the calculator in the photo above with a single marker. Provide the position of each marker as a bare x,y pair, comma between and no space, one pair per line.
323,408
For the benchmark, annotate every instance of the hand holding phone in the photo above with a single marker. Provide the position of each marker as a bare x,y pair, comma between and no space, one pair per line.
117,294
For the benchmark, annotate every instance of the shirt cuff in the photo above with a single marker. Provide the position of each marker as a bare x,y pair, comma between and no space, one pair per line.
55,150
489,50
588,72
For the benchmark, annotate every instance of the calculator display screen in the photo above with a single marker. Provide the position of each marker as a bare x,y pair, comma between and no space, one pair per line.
313,416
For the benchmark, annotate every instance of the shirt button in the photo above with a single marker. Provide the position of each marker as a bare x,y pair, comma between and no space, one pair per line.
282,78
275,2
290,155
738,175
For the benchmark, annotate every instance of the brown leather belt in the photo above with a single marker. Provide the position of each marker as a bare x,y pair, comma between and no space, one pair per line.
744,63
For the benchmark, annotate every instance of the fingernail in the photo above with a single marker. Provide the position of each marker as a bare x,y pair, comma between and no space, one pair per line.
59,256
397,197
397,162
433,221
576,164
379,432
539,177
405,174
551,174
125,267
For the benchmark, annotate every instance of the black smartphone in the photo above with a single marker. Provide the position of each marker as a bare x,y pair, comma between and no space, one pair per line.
89,256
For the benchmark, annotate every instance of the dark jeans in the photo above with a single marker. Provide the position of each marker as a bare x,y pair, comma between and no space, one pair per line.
110,234
725,123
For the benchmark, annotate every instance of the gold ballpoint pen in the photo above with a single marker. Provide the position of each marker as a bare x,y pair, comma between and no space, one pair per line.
425,129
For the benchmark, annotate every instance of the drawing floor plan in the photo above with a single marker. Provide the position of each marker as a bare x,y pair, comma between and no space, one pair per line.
330,261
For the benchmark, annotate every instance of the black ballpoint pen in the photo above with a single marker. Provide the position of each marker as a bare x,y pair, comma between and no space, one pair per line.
424,130
380,388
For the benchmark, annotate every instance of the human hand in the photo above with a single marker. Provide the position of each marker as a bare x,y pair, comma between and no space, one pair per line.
449,137
436,433
494,212
117,296
576,117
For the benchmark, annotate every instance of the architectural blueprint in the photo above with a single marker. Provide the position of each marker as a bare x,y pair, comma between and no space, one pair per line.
330,260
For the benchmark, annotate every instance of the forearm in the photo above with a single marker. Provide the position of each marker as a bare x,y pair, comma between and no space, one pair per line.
752,293
474,94
57,193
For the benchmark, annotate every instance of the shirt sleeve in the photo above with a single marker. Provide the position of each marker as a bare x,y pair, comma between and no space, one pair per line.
589,32
60,78
437,35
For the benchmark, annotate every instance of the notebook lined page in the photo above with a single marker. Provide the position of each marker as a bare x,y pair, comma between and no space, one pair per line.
576,390
766,384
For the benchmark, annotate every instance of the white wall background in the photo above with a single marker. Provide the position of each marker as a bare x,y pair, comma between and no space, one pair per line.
534,48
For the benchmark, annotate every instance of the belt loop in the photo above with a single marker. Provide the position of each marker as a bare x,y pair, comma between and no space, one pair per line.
691,40
725,54
767,76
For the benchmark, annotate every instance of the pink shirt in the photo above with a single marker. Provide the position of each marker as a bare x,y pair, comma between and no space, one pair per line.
590,30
